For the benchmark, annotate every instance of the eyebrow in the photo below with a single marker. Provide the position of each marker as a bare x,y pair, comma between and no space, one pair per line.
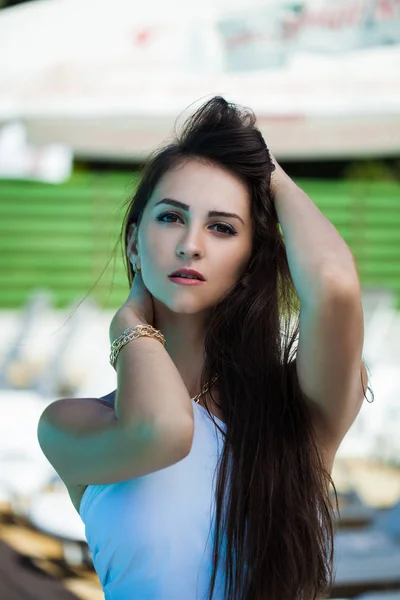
212,213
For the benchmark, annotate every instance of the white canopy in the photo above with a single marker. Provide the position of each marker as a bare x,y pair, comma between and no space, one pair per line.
109,80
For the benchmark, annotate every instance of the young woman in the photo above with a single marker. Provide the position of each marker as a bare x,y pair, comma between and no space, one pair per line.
206,474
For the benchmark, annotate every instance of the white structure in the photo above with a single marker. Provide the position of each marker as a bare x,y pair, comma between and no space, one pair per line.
117,90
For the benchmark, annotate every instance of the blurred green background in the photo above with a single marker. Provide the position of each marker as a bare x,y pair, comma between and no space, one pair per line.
64,237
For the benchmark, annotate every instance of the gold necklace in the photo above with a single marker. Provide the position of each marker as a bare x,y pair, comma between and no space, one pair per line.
205,389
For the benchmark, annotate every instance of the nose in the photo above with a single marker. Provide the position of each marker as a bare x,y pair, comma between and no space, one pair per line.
190,246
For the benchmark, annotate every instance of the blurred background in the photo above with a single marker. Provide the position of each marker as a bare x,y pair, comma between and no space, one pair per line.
87,90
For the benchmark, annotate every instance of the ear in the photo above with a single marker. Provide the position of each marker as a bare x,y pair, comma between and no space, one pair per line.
132,244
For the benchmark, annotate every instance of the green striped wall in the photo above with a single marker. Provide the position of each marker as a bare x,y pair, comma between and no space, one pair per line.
61,237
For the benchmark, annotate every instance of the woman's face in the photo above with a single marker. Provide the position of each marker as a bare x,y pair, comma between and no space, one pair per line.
172,237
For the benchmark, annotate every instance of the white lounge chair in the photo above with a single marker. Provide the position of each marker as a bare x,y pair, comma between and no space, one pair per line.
380,596
365,559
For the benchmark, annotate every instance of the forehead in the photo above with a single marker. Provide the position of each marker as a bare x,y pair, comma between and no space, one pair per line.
209,185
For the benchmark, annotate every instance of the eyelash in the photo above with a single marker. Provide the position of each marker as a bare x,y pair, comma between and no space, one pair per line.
230,229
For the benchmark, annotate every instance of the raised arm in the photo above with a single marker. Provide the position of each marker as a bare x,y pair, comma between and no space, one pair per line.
329,357
151,427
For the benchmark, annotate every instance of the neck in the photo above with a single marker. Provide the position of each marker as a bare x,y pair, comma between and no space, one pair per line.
184,338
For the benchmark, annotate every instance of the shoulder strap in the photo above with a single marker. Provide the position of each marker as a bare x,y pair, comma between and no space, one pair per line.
109,398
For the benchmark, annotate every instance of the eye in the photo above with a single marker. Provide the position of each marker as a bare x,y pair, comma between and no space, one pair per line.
229,230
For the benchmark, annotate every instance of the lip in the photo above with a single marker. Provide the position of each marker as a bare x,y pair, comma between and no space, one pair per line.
183,281
185,271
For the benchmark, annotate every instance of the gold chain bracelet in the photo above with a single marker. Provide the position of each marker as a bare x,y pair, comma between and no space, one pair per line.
132,333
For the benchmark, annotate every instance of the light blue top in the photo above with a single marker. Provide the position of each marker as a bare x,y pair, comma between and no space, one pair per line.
149,536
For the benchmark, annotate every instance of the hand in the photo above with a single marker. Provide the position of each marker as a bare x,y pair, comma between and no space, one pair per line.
137,309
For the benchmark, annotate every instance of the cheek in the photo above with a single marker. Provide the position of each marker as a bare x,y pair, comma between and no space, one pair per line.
153,247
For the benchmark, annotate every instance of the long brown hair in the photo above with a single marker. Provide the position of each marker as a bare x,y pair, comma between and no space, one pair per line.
274,517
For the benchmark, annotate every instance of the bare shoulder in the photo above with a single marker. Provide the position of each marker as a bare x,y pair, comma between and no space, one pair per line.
81,413
92,409
87,445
